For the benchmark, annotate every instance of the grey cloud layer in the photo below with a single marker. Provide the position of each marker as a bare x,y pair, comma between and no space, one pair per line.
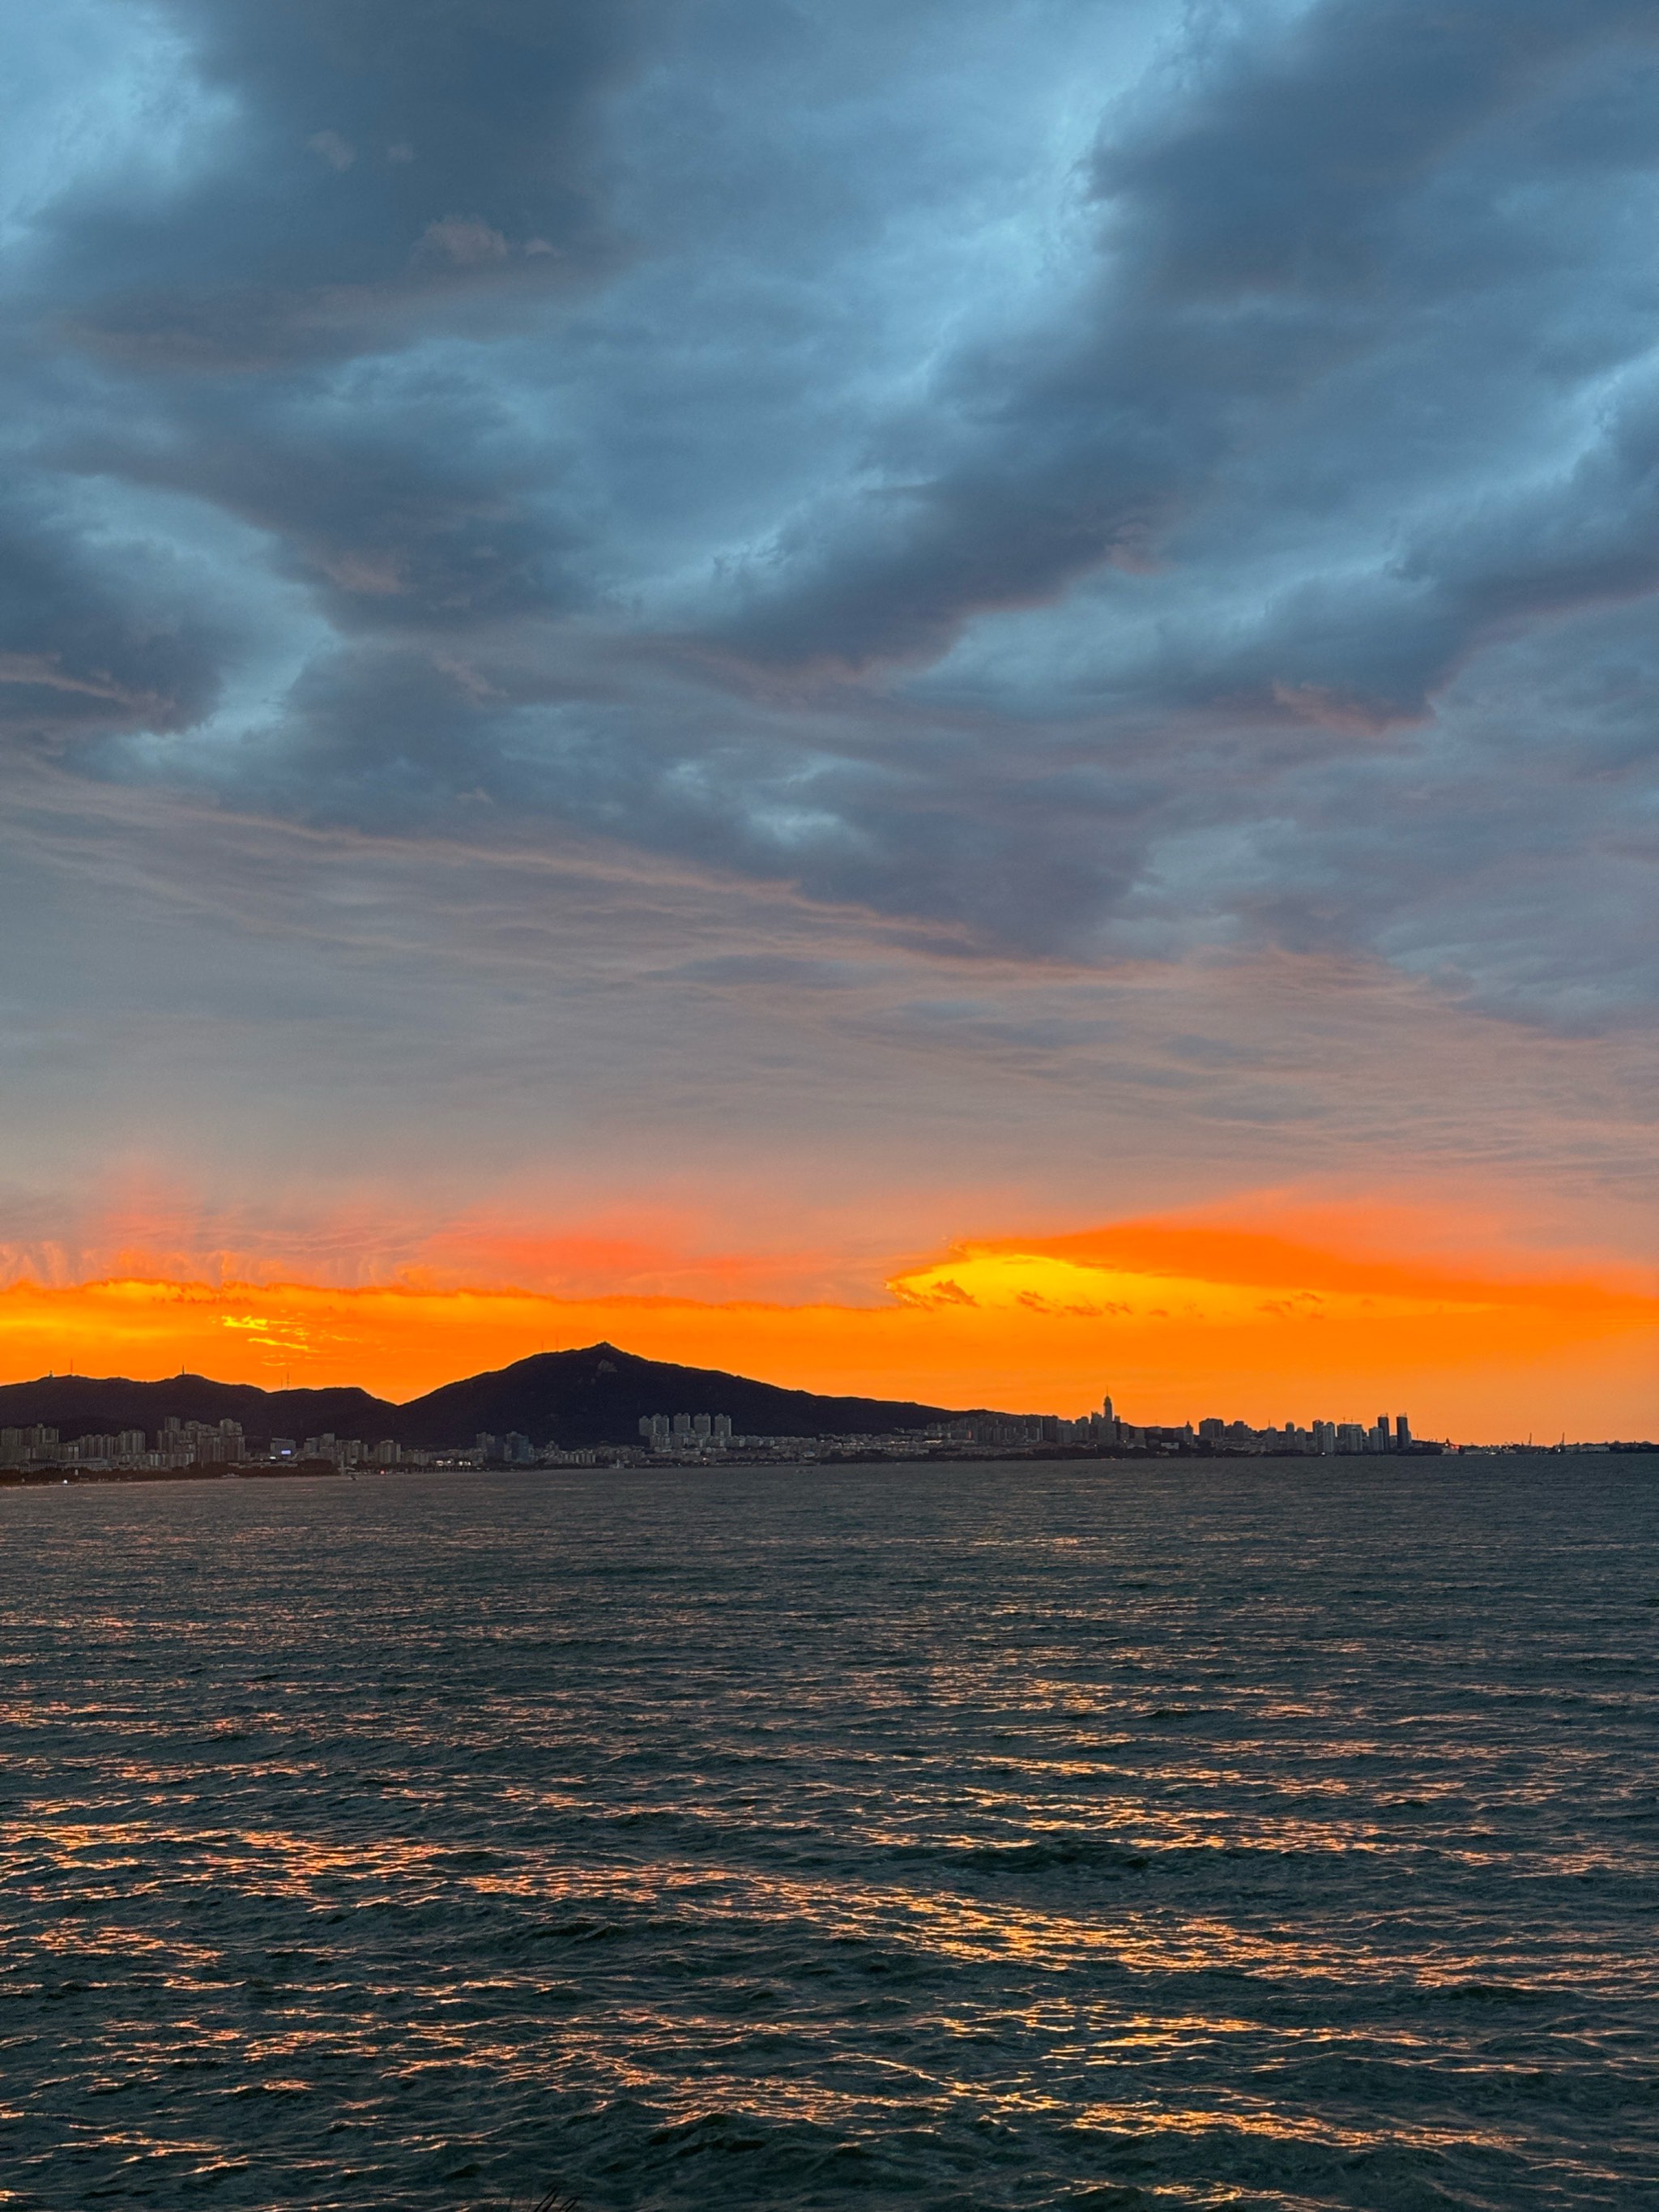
1083,488
315,1047
378,159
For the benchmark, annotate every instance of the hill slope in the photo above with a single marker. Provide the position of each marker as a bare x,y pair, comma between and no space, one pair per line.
91,1405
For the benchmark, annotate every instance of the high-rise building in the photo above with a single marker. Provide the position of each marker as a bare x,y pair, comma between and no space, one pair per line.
216,1447
1402,1433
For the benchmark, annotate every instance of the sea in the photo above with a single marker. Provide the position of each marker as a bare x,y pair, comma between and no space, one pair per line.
1245,1833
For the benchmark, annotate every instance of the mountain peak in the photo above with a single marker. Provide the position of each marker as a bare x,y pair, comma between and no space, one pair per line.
593,1396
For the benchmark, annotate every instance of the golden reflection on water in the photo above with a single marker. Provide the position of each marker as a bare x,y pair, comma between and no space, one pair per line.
1239,2117
952,1923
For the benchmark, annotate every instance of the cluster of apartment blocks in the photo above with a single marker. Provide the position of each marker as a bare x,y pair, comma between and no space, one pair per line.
1105,1431
693,1435
1323,1436
180,1444
668,1433
485,1449
697,1437
682,1435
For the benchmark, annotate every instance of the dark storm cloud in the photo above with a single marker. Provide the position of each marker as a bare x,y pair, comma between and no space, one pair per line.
1078,499
349,178
382,159
394,511
86,646
1261,233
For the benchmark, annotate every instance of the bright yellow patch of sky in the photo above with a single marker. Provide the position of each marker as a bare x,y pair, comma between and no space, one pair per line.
1038,1282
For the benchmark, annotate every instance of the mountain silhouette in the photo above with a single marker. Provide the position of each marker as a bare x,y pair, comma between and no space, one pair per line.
572,1399
92,1405
597,1395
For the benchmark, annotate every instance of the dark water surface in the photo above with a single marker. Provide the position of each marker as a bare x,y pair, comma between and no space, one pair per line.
1217,1834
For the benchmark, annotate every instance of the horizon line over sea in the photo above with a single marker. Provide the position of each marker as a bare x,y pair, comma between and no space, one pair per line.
609,1416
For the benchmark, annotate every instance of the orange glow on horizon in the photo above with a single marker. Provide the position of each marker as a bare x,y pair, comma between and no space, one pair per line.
1177,1320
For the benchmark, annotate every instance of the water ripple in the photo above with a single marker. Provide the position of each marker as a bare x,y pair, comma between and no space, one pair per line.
1007,1838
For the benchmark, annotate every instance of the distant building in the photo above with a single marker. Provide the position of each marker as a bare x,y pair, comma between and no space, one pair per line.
220,1446
339,1452
686,1432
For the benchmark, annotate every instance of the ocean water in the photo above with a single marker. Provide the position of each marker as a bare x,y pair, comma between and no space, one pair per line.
1227,1833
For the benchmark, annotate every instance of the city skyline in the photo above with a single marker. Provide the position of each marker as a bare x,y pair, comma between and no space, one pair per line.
562,1429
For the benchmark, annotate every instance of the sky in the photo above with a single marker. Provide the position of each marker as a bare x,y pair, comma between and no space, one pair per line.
956,697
